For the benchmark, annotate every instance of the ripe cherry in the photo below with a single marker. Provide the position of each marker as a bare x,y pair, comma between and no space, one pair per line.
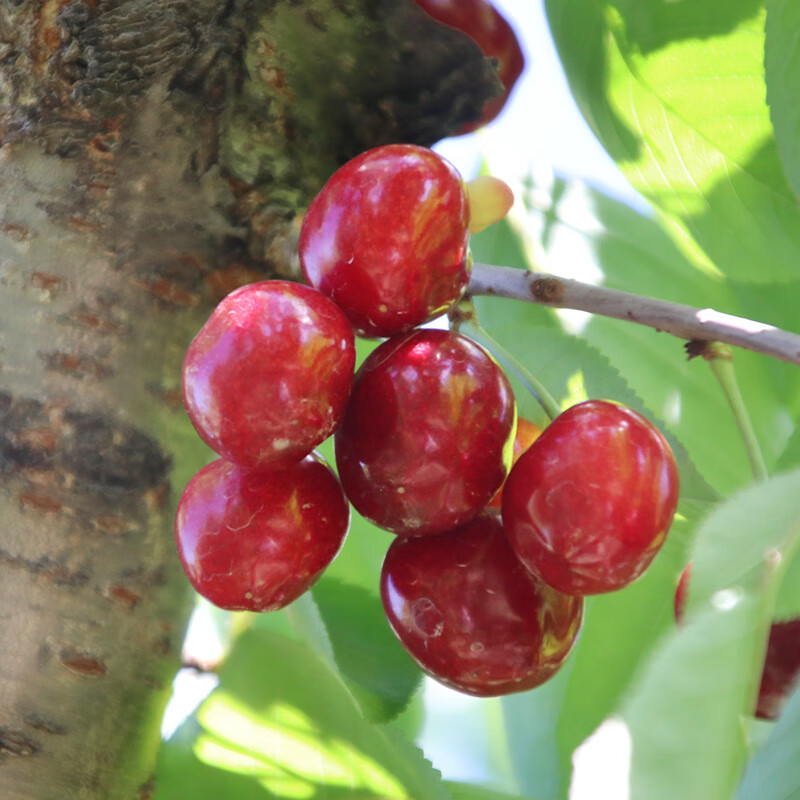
428,433
781,671
268,376
781,668
387,239
490,30
256,540
527,434
589,504
471,615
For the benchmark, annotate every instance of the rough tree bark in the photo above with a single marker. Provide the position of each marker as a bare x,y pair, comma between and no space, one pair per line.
153,156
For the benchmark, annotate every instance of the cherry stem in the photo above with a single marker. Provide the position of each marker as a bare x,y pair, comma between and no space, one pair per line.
466,315
685,322
720,359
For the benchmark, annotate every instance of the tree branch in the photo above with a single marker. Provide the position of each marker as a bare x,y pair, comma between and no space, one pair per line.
685,322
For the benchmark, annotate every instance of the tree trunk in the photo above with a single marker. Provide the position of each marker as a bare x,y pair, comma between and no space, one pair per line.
153,156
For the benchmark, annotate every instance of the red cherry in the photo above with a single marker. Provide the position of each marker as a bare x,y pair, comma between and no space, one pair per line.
490,30
387,239
588,506
527,434
268,376
256,540
427,437
471,615
781,670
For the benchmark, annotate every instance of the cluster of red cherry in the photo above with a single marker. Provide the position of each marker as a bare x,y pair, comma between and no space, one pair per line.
424,439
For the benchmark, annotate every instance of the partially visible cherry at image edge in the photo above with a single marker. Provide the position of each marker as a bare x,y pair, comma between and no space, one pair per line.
471,615
255,540
387,239
267,377
481,21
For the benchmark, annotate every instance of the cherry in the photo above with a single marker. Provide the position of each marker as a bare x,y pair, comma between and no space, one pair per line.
527,434
427,437
387,239
255,540
781,670
471,615
268,376
490,30
589,504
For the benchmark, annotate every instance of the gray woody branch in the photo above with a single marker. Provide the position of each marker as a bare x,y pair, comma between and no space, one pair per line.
685,322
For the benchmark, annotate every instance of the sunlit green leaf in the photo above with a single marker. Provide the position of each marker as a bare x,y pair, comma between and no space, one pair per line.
676,93
283,718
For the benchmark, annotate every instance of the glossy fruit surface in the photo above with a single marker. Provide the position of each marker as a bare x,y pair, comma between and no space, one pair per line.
781,671
589,504
268,376
256,540
387,239
490,30
428,433
527,434
471,615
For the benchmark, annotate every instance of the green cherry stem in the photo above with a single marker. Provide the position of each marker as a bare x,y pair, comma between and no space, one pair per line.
465,315
720,359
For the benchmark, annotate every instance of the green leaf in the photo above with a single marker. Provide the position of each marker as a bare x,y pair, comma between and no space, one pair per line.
380,674
284,720
787,604
774,772
466,791
676,93
181,775
782,62
706,674
728,552
683,718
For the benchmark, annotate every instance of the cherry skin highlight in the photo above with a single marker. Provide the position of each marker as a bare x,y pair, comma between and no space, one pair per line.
427,437
268,376
589,504
781,671
480,20
471,615
256,540
527,434
387,239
